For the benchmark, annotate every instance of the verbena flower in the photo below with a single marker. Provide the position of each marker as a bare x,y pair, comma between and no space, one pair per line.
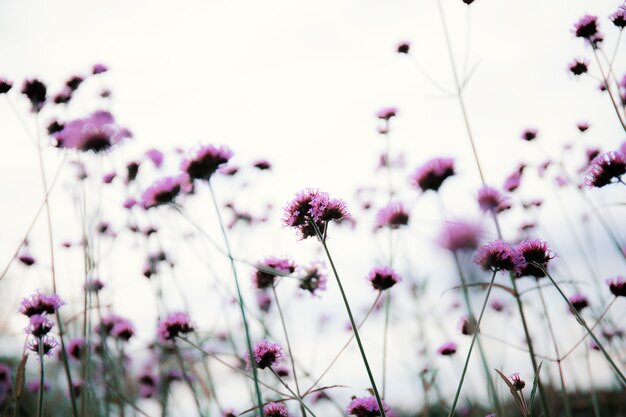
605,168
617,286
393,216
205,161
36,92
517,381
578,66
313,278
460,236
39,325
403,47
123,329
587,28
99,69
582,126
262,165
491,200
387,113
382,278
579,302
275,410
76,348
447,349
265,354
432,174
39,303
513,181
312,206
174,325
619,17
499,256
366,407
264,279
5,85
97,132
534,251
163,191
529,134
48,344
468,325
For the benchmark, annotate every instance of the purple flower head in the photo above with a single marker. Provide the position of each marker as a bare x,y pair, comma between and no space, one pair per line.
36,92
313,278
275,410
587,28
39,325
132,169
447,349
468,325
74,82
458,236
517,381
582,126
513,181
148,385
174,325
617,286
382,278
99,69
496,305
123,330
107,324
605,168
393,216
578,301
529,134
262,165
387,113
265,354
534,251
205,162
156,156
432,174
311,205
76,348
39,303
5,85
26,258
164,191
491,200
578,66
129,203
619,17
499,256
108,177
403,47
366,407
48,344
263,278
97,132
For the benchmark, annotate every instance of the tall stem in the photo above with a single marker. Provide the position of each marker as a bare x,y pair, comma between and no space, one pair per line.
608,88
241,302
41,379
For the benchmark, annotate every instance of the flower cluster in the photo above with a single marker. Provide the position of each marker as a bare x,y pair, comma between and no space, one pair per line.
605,168
432,174
265,354
366,407
97,132
37,307
312,209
263,277
205,162
174,325
382,278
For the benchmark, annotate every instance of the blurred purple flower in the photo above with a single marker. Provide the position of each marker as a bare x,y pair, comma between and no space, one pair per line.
617,286
5,85
578,66
605,168
265,279
529,134
387,113
491,200
156,156
517,381
39,303
403,47
393,216
459,235
382,278
99,69
275,410
48,344
619,17
174,325
366,407
163,191
36,92
205,161
587,28
432,174
39,325
97,132
313,278
579,301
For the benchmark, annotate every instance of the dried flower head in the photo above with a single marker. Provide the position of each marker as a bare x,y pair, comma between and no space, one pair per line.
393,216
468,325
265,354
432,174
382,278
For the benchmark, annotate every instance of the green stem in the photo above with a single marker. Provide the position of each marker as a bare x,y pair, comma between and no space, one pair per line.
297,396
41,379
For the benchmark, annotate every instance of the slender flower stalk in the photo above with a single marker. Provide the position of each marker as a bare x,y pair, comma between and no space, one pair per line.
41,379
608,88
296,396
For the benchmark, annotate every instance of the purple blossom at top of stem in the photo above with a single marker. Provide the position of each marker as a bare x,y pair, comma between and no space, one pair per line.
265,279
605,168
76,348
579,301
517,381
617,286
403,47
535,251
313,277
367,407
36,92
432,174
447,349
99,69
460,236
387,113
588,28
382,278
578,66
582,126
174,325
492,200
394,215
123,329
206,161
276,410
39,303
97,132
5,85
529,134
48,344
619,17
311,205
262,165
499,256
265,354
163,191
155,156
39,325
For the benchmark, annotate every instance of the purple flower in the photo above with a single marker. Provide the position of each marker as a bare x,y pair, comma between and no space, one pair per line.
605,168
97,132
5,85
262,165
174,325
312,206
587,28
447,349
491,200
48,344
513,181
393,216
36,92
529,134
468,325
26,258
534,251
432,174
457,236
264,279
76,348
123,329
366,407
617,286
39,325
619,17
275,410
517,381
403,47
578,301
497,305
313,278
265,354
156,156
582,126
99,69
163,191
39,303
264,300
387,113
205,162
382,278
578,66
147,385
108,177
499,256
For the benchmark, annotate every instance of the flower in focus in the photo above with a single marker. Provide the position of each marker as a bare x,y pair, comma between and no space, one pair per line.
382,278
447,349
513,181
605,168
275,410
97,132
432,174
265,354
264,278
39,303
617,286
205,162
499,256
174,325
393,216
534,251
366,407
36,92
312,209
458,236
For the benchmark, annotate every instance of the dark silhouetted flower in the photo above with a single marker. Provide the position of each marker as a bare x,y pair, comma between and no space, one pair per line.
403,47
76,348
587,28
393,216
432,174
382,278
39,303
619,17
513,181
263,278
74,82
529,134
579,302
174,325
262,165
205,161
617,286
447,349
605,168
468,325
132,169
97,132
499,256
578,66
265,354
54,127
5,85
517,381
366,407
26,258
36,92
163,191
534,251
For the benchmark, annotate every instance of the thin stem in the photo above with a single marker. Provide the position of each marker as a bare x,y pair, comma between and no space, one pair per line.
352,322
241,302
297,396
181,363
594,396
41,379
385,332
469,353
293,365
608,88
